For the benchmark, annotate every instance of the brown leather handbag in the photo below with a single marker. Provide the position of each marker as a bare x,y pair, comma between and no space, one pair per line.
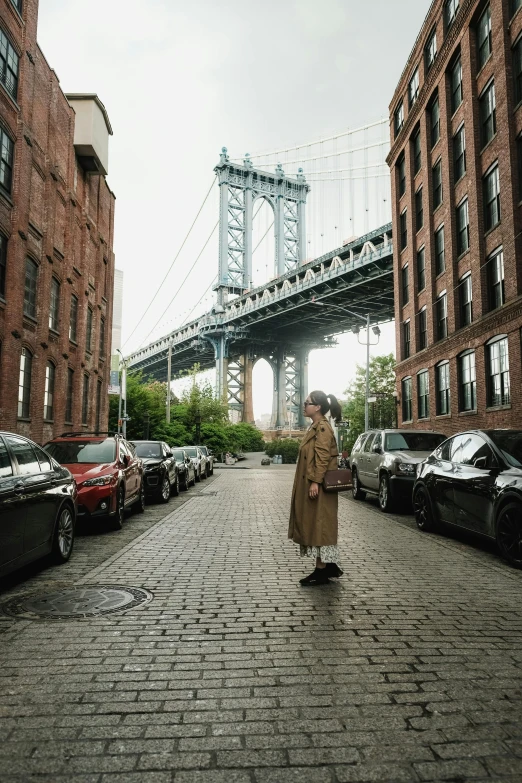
338,480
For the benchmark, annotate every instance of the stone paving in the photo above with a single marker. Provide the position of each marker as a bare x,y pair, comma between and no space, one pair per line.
406,669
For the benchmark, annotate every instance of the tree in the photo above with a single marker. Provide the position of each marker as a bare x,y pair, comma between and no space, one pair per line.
143,398
381,385
287,447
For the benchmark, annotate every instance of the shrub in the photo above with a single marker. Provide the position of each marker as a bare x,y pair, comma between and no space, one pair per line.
287,447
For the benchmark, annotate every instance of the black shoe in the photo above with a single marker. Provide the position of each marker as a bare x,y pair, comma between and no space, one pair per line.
317,577
333,570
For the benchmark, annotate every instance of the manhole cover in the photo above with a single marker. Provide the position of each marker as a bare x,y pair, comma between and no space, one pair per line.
84,601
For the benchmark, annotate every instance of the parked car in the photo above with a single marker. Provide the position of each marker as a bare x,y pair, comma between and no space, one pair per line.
161,473
38,505
108,473
474,481
186,469
198,459
384,463
210,459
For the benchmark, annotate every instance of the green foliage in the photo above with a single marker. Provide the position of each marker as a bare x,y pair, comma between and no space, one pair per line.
244,437
287,447
382,384
142,397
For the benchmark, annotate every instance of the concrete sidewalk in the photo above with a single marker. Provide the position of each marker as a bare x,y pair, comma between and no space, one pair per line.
406,669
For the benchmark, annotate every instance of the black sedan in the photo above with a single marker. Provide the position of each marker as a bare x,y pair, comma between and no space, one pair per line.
38,504
474,481
187,471
160,471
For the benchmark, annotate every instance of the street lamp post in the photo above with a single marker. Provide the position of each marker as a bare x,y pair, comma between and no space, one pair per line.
377,332
169,373
198,428
123,396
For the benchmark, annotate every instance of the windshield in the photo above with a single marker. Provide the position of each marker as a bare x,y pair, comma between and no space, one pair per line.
510,444
204,450
148,449
413,441
192,452
75,451
179,455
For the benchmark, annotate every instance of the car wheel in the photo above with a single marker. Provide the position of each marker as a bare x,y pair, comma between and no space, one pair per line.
357,492
198,476
184,484
509,533
385,499
194,480
423,511
117,521
139,506
175,486
165,490
63,540
204,475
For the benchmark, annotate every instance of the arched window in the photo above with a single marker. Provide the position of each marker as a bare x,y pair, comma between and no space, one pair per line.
24,383
54,305
407,411
442,382
50,372
3,264
31,277
497,364
467,381
85,400
88,333
423,394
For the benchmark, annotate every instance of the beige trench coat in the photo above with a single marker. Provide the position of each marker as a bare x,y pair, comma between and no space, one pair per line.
314,522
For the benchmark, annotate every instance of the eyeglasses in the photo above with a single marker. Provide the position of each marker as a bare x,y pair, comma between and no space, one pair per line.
308,402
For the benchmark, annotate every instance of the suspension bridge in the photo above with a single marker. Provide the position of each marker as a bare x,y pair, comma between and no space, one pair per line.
311,296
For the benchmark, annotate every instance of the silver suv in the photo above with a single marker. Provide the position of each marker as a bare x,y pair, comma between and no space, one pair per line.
199,461
384,463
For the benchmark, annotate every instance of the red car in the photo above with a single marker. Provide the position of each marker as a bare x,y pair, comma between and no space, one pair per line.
108,473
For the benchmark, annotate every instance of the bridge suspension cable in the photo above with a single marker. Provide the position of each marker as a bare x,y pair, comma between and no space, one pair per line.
172,264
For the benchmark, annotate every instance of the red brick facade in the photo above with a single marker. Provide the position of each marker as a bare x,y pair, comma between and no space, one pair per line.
460,38
62,219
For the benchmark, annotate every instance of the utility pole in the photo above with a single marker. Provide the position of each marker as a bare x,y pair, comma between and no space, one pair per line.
366,403
169,374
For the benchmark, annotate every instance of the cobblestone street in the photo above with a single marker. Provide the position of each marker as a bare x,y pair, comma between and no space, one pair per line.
408,668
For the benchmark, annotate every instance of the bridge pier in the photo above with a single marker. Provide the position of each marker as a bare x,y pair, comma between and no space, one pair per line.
290,387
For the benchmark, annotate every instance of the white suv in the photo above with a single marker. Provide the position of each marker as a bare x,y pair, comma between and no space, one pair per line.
198,459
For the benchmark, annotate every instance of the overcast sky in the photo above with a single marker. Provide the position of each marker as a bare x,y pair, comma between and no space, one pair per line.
182,79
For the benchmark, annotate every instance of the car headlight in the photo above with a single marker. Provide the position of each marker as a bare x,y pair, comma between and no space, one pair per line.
102,481
407,468
153,466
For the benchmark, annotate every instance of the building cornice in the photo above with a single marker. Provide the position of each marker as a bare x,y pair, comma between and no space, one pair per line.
429,81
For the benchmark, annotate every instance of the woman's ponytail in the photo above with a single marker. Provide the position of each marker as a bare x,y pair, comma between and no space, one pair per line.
335,409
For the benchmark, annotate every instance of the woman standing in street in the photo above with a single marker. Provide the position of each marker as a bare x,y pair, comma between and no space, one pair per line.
313,514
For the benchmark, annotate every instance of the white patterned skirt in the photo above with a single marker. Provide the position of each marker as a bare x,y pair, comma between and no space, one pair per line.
328,554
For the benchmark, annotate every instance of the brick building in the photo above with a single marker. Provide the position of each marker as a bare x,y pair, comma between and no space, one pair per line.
456,165
56,238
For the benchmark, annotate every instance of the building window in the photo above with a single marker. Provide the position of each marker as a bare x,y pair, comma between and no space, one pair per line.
462,227
407,413
49,391
31,277
456,85
405,285
419,212
435,121
406,340
498,372
488,114
495,279
85,400
437,184
404,229
451,8
517,70
467,382
440,256
417,155
423,329
465,300
73,319
459,154
9,63
18,5
484,37
413,88
519,161
491,189
514,6
441,312
102,338
6,161
24,383
442,376
54,309
423,394
421,269
430,51
398,119
98,405
69,395
401,174
88,332
3,264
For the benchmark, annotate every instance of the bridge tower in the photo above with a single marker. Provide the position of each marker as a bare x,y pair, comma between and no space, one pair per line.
240,186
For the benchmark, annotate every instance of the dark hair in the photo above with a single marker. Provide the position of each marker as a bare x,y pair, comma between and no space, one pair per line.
320,398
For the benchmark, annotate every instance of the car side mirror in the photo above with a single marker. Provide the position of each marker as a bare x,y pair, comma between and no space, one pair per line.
376,449
481,463
126,460
170,453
